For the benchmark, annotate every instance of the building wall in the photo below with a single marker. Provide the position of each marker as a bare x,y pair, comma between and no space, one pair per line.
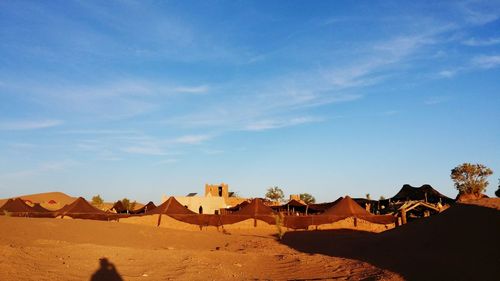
217,190
209,203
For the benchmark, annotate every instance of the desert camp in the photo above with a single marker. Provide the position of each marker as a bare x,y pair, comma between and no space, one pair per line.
146,140
287,224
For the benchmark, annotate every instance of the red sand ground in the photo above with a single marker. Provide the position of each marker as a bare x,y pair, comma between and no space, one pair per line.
436,248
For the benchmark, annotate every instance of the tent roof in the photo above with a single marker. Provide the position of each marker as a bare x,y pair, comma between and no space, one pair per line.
118,206
295,203
80,206
171,207
347,207
16,205
409,192
323,206
38,208
146,208
255,207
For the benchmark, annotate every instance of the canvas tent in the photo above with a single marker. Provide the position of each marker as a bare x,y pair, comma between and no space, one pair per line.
118,207
424,193
18,208
144,209
81,209
256,210
344,208
293,206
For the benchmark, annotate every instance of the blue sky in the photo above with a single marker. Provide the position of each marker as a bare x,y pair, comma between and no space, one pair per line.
140,99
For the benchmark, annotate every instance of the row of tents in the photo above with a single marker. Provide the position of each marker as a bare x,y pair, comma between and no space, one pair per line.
256,209
315,214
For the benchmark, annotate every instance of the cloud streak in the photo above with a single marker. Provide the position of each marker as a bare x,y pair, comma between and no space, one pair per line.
21,125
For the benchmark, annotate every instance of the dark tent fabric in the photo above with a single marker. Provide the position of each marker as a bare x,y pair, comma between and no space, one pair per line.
171,207
81,209
144,209
343,209
237,207
256,210
38,208
321,207
255,207
346,207
119,208
425,192
18,208
292,206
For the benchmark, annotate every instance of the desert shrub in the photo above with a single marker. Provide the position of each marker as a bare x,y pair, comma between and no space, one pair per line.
307,198
275,194
279,225
97,201
471,178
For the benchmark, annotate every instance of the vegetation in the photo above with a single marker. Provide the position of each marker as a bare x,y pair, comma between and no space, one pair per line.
307,198
97,201
471,178
275,194
382,197
279,225
128,205
368,196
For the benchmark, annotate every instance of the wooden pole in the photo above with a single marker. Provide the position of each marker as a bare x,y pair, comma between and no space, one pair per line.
403,216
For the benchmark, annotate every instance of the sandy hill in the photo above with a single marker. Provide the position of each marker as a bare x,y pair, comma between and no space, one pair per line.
459,244
49,200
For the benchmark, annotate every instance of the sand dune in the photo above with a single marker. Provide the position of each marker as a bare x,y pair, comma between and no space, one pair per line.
59,199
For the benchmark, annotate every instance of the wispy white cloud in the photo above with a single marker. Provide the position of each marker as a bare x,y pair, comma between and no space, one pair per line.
275,124
480,12
436,100
18,125
167,161
479,62
145,150
193,139
390,112
481,42
213,151
486,62
192,90
449,73
41,169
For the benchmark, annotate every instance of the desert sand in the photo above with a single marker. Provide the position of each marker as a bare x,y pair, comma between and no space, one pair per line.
435,248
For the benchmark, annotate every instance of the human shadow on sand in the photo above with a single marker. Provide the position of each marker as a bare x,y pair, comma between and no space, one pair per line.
106,272
459,244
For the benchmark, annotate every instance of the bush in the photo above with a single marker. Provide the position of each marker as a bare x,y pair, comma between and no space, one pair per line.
471,178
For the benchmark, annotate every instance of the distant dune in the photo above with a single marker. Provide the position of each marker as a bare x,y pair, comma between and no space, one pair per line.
50,200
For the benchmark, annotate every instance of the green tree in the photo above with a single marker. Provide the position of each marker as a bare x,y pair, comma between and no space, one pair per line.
275,194
471,178
307,198
97,201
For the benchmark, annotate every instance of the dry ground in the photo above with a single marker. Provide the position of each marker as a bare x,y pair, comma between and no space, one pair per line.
459,244
57,249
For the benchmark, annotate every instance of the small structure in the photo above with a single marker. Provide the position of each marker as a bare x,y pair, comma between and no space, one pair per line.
217,197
